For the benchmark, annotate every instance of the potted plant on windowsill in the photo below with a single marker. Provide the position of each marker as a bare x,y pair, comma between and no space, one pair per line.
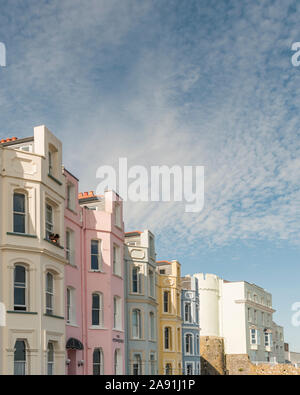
54,238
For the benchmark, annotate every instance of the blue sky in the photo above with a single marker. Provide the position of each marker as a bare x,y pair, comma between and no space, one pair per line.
174,82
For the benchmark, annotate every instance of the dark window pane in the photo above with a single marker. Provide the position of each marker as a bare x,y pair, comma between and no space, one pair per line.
20,274
95,317
19,223
94,247
19,295
96,301
19,203
94,262
96,370
96,356
49,282
20,351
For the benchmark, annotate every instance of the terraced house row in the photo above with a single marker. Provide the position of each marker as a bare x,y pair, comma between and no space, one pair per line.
79,296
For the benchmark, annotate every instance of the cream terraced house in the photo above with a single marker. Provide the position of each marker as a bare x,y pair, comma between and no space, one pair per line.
32,257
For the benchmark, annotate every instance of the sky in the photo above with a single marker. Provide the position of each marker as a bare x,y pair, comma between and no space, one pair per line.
175,82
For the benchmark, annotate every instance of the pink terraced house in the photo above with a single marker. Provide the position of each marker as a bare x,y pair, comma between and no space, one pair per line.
94,282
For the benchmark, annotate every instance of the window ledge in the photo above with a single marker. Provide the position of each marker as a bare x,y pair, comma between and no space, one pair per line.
118,276
72,265
73,325
21,234
54,244
54,316
21,312
54,179
97,271
118,330
98,327
72,210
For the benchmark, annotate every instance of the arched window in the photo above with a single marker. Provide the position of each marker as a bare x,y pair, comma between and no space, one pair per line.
19,213
166,301
98,362
152,325
19,288
188,343
118,362
137,365
136,324
167,338
50,359
20,358
49,293
168,369
97,309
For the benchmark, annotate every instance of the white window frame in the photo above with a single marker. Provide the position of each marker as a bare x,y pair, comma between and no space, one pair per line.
50,364
186,367
190,344
24,214
50,293
49,222
117,312
189,313
137,364
136,333
152,325
22,286
100,310
98,255
139,288
101,363
117,267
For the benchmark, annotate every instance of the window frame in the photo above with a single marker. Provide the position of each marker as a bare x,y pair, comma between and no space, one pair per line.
99,365
50,293
20,213
100,310
23,286
50,364
138,325
23,361
49,224
98,255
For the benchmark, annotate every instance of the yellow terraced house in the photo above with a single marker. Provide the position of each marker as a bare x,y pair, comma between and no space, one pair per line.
169,317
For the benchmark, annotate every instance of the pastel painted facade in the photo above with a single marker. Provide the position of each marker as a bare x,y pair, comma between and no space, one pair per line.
190,306
74,288
169,318
32,190
102,279
141,304
240,313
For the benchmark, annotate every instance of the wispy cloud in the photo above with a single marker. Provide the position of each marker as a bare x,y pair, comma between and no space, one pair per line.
205,83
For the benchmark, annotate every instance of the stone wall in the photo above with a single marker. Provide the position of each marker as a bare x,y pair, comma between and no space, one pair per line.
239,364
212,355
